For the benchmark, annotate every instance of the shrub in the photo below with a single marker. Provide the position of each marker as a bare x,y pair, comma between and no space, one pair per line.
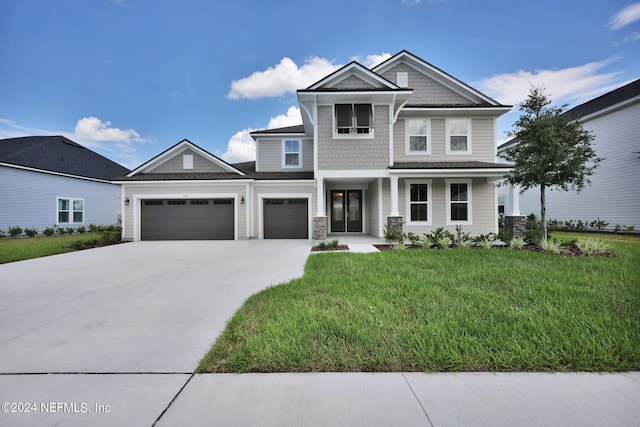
629,229
444,242
70,230
15,231
328,246
394,235
82,229
414,240
2,235
532,235
462,239
599,224
591,247
485,241
60,230
616,229
532,223
49,231
426,241
111,234
31,232
517,243
550,245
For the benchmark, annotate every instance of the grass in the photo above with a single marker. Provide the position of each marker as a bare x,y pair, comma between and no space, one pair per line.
34,247
439,311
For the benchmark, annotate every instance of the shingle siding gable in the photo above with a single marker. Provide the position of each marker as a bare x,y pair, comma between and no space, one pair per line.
175,164
353,83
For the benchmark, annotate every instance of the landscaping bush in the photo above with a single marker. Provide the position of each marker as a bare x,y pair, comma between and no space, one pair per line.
15,231
49,231
31,232
82,229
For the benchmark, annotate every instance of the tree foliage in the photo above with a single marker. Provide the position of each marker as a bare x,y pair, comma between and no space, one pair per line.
553,150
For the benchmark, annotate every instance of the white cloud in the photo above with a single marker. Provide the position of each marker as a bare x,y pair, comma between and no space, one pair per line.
240,148
574,84
280,79
114,143
291,118
624,17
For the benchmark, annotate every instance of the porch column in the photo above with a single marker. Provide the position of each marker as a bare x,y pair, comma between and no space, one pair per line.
394,196
320,196
320,221
514,222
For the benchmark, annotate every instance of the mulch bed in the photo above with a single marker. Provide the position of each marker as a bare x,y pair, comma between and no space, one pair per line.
337,248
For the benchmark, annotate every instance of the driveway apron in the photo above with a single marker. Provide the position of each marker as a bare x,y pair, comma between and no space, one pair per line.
136,307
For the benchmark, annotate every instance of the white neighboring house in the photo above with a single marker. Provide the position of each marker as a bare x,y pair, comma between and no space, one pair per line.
614,195
51,180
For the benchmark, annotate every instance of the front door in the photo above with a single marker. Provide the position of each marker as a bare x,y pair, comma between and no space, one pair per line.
346,211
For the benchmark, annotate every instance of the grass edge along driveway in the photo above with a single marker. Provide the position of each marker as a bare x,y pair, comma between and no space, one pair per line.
442,311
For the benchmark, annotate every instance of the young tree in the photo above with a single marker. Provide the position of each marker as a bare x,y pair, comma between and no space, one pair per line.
553,151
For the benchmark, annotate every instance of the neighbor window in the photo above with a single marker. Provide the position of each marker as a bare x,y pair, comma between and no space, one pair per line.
417,140
458,136
458,201
292,153
353,119
418,196
70,211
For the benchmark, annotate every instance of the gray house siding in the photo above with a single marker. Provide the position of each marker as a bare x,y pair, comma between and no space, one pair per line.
353,153
352,83
426,90
614,195
372,211
482,142
175,164
269,155
31,199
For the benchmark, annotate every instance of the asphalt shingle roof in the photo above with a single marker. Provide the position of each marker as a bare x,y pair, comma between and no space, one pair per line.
58,154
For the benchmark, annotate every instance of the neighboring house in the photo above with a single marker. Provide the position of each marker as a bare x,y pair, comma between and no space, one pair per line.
51,180
614,195
401,144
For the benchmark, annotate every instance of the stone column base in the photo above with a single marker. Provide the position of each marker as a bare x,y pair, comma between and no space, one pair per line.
395,222
320,227
516,226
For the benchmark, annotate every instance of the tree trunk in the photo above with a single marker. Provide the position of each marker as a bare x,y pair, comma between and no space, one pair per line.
543,213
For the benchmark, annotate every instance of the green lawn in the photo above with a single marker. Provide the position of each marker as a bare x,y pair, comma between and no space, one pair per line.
437,310
34,247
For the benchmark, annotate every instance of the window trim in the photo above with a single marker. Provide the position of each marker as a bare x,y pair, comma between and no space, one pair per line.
429,201
447,187
448,136
70,211
407,138
353,129
285,152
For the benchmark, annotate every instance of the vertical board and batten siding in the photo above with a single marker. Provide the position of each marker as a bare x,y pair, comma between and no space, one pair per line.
614,195
371,209
33,199
269,152
200,164
483,143
356,153
426,91
193,190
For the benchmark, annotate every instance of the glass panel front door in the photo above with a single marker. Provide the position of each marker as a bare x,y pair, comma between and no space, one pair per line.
346,211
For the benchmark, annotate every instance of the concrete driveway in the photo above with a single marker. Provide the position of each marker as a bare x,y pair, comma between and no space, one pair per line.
136,307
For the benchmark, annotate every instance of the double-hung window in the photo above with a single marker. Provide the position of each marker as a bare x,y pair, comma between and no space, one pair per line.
292,153
418,139
70,211
458,136
418,197
353,119
458,201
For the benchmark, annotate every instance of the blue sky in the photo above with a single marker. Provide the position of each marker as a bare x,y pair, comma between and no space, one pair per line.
131,78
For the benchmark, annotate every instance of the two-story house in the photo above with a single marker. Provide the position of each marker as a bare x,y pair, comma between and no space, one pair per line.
403,144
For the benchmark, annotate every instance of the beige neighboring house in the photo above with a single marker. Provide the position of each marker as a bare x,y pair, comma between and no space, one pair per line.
401,144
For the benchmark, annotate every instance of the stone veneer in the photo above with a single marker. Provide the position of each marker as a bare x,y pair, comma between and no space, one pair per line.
515,225
320,227
395,222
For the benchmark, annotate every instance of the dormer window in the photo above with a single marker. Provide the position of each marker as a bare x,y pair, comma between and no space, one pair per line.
353,119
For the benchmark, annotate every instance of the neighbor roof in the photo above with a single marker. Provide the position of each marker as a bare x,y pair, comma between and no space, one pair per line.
58,154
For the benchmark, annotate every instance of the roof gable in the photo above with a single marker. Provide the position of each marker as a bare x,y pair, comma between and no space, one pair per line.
353,76
59,155
171,160
437,75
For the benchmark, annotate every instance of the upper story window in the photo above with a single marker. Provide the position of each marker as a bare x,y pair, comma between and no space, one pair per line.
353,119
292,153
458,136
418,137
70,211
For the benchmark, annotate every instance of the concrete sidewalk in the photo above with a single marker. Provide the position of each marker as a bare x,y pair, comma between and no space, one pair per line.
324,399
